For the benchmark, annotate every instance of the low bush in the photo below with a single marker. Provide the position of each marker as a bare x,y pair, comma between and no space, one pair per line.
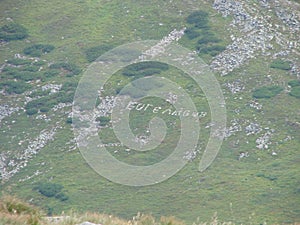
38,49
44,109
30,68
69,120
280,64
192,33
15,87
94,52
70,68
49,189
103,120
31,111
145,69
267,92
39,63
13,31
198,17
208,39
19,62
51,73
39,93
294,83
26,75
295,92
212,50
62,197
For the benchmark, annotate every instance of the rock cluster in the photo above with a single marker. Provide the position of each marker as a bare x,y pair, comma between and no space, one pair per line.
254,104
288,18
253,128
53,87
106,105
6,110
233,128
12,162
256,33
191,155
235,86
263,142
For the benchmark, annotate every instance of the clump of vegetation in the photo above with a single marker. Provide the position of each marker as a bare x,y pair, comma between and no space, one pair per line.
51,190
198,18
19,62
47,101
13,31
199,28
280,64
212,50
94,52
145,69
103,120
199,23
38,49
14,87
69,69
192,32
294,83
15,211
267,91
295,92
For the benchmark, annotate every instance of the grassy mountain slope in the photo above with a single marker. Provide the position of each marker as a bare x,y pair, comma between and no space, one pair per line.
262,187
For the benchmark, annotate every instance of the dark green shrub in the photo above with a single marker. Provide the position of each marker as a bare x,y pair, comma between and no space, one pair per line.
65,97
69,68
208,39
49,189
103,120
94,52
295,92
31,111
267,92
198,18
145,68
13,31
39,93
62,197
69,86
46,101
69,120
212,50
280,64
30,68
38,49
294,83
19,62
9,70
26,76
15,87
44,109
39,63
51,73
192,33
